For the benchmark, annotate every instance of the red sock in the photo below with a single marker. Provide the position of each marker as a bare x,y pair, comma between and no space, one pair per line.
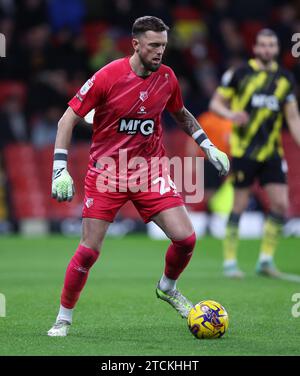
76,275
178,256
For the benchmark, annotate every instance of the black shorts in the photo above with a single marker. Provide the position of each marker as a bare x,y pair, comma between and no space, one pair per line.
245,171
212,179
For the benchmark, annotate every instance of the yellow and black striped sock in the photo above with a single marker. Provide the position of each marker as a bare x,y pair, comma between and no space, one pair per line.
272,231
231,239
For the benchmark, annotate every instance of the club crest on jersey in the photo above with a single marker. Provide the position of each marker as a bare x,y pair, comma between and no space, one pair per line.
143,95
134,126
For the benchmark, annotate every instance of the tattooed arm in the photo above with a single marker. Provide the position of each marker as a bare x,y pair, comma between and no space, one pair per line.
186,121
191,126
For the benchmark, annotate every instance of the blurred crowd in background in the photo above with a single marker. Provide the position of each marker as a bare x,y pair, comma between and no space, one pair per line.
53,46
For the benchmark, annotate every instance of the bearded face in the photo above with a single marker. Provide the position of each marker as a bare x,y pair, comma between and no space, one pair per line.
150,47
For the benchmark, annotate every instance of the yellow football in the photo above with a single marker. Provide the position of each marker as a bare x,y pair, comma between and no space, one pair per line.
208,319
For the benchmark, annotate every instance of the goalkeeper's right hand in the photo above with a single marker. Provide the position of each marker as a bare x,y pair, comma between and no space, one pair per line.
62,185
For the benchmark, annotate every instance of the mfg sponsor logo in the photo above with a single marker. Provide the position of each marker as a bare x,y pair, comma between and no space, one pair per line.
134,126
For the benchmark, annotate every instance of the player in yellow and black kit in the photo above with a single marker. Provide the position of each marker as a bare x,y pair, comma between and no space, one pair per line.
255,97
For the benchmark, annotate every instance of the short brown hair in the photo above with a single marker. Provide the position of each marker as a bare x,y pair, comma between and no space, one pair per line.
147,23
266,33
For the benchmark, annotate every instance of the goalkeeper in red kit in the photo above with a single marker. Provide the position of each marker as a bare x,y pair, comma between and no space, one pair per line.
128,95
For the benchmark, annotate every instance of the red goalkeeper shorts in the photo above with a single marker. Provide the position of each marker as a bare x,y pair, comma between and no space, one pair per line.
105,205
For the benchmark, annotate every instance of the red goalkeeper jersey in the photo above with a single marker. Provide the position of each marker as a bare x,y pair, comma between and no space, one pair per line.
128,110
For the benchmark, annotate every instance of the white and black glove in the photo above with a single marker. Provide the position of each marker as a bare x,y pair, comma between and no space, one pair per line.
62,183
214,155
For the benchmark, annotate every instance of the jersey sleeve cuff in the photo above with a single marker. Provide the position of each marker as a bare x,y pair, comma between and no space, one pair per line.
74,105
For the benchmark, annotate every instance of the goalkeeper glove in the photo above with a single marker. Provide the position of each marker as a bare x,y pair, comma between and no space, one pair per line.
62,183
214,155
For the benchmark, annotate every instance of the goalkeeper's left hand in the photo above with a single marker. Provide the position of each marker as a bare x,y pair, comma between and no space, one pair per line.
216,157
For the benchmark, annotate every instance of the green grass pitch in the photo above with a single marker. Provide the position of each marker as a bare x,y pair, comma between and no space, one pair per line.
119,314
